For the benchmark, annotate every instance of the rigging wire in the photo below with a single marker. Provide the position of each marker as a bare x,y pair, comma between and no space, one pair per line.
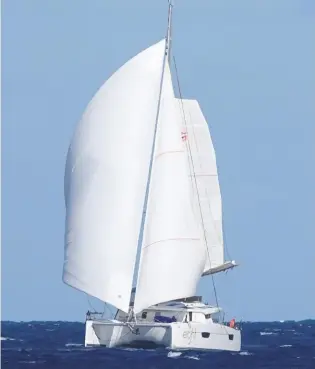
195,181
110,312
90,304
105,307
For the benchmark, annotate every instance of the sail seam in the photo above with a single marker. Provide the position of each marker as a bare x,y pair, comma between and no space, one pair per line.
172,239
168,152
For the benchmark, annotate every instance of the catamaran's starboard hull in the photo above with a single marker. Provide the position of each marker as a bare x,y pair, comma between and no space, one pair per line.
176,336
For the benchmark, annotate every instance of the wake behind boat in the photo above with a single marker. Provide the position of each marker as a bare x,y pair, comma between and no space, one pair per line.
141,170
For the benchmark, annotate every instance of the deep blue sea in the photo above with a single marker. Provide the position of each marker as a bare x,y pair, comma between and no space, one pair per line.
60,345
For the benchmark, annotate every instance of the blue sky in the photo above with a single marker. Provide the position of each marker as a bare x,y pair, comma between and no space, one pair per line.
250,64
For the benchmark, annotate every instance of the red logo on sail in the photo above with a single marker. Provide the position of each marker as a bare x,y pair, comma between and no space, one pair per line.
184,136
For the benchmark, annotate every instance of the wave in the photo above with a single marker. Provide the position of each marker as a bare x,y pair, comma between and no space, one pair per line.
71,344
245,353
268,333
192,357
173,354
7,339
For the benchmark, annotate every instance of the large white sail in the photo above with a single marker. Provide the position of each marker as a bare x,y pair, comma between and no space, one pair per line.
172,256
105,180
204,174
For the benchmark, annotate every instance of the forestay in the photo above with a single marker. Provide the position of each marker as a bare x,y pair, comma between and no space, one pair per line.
172,256
105,180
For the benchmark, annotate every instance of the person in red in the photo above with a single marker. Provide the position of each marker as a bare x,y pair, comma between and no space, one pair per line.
232,323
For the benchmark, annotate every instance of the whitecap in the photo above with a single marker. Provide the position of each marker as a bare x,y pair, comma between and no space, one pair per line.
7,339
285,346
172,354
27,362
192,357
135,349
73,344
267,333
245,353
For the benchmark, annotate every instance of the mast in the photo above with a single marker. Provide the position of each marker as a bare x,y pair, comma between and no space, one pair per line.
169,30
165,59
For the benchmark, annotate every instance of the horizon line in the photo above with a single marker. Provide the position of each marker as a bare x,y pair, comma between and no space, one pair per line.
82,322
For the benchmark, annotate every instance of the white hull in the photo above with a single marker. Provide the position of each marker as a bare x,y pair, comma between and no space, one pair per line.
176,336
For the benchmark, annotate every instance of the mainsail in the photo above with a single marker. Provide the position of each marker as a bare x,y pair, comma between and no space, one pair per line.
205,183
172,256
105,179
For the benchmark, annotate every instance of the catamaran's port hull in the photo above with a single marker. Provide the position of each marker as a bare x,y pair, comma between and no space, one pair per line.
176,336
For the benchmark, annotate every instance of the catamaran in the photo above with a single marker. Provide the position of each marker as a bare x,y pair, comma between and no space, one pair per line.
144,212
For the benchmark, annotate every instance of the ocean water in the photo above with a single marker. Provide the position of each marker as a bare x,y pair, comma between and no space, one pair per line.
57,345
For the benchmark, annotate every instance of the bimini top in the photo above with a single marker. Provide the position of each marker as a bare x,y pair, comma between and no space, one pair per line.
197,307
